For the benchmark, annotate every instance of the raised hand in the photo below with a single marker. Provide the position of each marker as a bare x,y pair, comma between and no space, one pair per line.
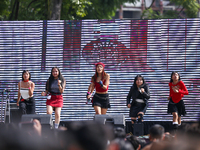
175,89
59,82
29,85
101,83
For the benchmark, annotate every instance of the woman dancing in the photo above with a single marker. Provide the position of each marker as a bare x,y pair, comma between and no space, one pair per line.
177,90
55,86
26,100
100,82
139,93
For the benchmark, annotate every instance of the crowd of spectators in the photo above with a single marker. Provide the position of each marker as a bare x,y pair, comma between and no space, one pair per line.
90,135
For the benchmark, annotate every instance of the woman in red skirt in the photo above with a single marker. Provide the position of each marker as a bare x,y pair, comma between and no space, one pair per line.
55,86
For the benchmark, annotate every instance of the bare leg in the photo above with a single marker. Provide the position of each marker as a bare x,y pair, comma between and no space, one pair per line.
57,115
140,117
179,119
97,110
133,121
103,111
175,120
49,109
175,117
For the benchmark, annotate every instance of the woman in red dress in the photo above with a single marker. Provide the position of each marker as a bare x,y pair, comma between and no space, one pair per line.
55,86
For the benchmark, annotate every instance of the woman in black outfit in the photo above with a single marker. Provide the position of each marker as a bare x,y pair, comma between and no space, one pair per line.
139,93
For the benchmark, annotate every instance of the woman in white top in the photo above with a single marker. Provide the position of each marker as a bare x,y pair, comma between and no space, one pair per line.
26,101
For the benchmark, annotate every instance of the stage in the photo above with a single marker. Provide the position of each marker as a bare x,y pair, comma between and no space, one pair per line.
115,120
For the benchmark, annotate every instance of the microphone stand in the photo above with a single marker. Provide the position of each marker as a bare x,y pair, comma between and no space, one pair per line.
8,102
2,107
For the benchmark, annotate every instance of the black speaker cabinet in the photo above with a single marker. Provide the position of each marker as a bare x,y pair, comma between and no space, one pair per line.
45,119
138,129
15,116
116,120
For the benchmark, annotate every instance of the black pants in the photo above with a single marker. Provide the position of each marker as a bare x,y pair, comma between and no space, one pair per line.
27,106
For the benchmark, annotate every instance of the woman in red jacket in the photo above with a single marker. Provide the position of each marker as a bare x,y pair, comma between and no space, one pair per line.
176,105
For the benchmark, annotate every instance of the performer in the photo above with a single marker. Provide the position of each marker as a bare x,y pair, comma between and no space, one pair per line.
100,82
25,100
139,92
177,90
55,86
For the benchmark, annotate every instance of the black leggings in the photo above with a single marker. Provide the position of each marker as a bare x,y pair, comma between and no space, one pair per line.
27,106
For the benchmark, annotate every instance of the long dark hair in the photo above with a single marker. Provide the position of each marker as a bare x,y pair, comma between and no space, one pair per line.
173,72
134,83
24,73
60,77
94,77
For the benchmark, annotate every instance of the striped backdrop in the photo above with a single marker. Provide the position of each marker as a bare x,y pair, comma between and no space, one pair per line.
152,48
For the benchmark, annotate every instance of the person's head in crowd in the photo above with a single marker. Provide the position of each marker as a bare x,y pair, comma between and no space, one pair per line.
32,128
168,137
161,145
12,137
120,144
189,129
119,133
89,135
136,142
188,136
156,132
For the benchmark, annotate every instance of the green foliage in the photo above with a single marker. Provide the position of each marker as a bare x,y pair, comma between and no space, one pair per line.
104,9
33,10
74,9
86,9
70,9
151,14
4,9
191,7
170,14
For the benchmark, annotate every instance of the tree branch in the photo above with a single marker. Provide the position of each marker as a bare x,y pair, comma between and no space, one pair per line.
16,10
150,5
180,11
13,9
31,3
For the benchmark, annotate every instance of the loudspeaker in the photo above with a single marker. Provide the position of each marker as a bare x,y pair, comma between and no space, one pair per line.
116,120
15,116
138,129
45,119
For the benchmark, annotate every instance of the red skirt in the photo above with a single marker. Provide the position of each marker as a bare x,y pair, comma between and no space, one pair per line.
55,101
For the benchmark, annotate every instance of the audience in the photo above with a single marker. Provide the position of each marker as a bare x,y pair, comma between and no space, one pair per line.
136,142
156,134
90,135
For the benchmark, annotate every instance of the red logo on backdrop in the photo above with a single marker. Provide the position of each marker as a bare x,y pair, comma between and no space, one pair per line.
114,54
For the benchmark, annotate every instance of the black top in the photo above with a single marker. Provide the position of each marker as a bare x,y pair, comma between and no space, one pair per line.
134,93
